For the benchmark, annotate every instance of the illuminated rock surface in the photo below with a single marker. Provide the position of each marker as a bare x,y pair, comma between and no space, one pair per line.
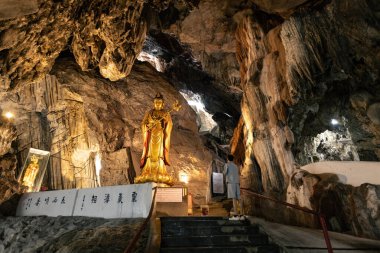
8,162
81,116
103,34
298,74
297,80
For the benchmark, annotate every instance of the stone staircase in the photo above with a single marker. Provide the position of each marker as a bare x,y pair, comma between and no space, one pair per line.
212,235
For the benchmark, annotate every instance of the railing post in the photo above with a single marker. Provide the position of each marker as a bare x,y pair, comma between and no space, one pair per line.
325,232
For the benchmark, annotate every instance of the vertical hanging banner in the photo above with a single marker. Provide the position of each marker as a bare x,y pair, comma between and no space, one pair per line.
124,201
50,203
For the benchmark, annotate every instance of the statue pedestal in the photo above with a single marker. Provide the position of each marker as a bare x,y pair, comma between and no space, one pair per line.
171,201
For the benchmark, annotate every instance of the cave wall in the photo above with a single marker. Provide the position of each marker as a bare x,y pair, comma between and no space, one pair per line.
62,109
209,31
79,116
16,8
51,118
299,64
107,35
8,162
267,137
347,209
330,53
299,70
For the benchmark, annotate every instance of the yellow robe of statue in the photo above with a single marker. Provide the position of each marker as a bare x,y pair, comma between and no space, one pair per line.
156,129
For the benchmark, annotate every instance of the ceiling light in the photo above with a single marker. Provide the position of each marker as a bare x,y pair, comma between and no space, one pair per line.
334,122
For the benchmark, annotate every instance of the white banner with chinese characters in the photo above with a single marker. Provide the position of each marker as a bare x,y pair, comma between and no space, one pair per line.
50,203
123,201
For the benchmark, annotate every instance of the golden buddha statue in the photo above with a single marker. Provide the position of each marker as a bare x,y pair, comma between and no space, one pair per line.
31,173
156,128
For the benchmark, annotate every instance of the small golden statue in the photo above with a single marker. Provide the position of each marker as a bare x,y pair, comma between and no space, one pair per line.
156,128
31,173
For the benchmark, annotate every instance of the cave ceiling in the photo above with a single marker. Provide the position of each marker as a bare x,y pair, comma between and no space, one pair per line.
284,68
108,36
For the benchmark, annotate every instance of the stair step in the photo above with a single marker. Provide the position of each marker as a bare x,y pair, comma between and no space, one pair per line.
211,240
187,218
238,249
202,223
211,230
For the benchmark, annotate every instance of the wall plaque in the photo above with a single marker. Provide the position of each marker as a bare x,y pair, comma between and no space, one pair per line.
217,182
170,194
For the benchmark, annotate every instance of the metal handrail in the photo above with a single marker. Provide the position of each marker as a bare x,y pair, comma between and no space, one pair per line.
321,217
137,236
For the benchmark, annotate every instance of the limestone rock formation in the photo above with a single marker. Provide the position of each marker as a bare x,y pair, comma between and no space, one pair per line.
265,137
109,36
282,7
290,73
16,8
30,44
183,65
7,136
348,209
8,183
209,30
298,80
92,127
298,74
103,34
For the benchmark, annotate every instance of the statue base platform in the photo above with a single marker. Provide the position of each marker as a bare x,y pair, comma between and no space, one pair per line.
160,180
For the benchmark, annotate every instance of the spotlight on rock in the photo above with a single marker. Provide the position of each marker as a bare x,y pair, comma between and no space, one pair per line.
9,115
334,122
183,177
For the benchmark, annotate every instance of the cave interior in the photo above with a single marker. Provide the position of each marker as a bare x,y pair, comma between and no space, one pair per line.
290,88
